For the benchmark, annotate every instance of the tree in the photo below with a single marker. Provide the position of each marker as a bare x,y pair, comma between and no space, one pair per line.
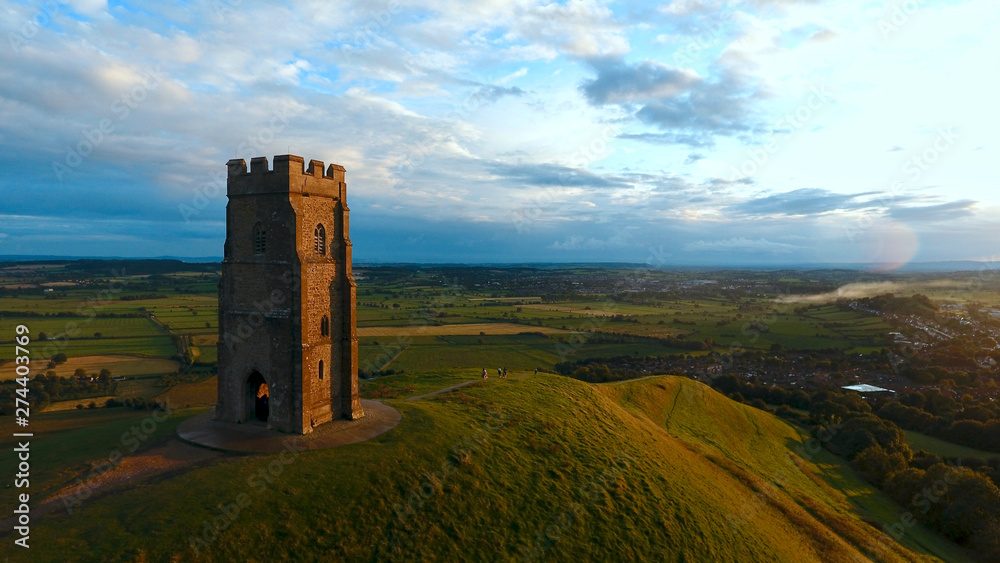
973,503
863,431
904,485
59,358
878,466
987,540
967,432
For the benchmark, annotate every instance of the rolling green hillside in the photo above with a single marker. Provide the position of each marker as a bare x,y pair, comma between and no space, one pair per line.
538,468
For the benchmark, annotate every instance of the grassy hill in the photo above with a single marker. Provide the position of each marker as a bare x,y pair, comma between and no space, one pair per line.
542,467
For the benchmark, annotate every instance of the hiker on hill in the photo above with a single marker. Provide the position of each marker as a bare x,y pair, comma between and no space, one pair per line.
484,373
499,372
536,371
504,373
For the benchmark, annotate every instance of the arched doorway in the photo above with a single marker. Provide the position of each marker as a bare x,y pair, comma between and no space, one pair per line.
257,398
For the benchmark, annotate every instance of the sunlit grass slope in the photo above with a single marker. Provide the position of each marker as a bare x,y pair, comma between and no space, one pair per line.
539,468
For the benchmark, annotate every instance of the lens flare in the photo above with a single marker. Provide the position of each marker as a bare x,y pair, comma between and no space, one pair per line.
890,246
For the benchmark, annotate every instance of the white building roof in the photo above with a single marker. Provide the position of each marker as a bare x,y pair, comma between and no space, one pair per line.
865,388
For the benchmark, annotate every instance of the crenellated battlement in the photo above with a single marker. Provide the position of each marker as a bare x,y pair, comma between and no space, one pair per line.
289,174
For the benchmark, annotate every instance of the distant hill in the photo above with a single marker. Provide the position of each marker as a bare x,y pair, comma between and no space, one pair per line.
56,258
130,266
539,468
915,267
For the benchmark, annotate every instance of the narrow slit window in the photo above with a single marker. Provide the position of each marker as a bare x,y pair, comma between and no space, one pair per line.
259,239
319,239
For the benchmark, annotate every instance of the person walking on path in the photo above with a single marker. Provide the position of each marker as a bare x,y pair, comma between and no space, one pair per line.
504,373
484,373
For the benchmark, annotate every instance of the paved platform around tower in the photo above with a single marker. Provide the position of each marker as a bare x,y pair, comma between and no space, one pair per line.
253,437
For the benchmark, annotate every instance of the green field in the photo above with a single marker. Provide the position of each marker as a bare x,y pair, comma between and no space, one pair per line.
57,328
190,315
528,468
154,346
523,352
184,304
942,448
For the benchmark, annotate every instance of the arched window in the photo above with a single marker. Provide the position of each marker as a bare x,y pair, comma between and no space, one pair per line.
324,326
259,239
321,370
319,239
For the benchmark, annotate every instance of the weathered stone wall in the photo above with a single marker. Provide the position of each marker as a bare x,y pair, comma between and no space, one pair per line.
271,304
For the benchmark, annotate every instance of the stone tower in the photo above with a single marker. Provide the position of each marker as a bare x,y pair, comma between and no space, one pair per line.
288,346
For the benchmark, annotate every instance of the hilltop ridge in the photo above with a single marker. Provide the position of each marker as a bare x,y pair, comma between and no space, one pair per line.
541,467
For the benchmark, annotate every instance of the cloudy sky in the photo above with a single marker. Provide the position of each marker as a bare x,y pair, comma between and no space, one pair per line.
685,132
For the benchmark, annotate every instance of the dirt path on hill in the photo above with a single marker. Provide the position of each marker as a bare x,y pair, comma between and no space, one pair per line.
456,386
172,457
636,379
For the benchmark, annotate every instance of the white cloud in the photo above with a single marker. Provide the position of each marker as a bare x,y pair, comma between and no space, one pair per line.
473,112
87,7
523,71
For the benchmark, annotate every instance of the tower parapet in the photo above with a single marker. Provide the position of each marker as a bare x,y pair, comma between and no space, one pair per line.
289,174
